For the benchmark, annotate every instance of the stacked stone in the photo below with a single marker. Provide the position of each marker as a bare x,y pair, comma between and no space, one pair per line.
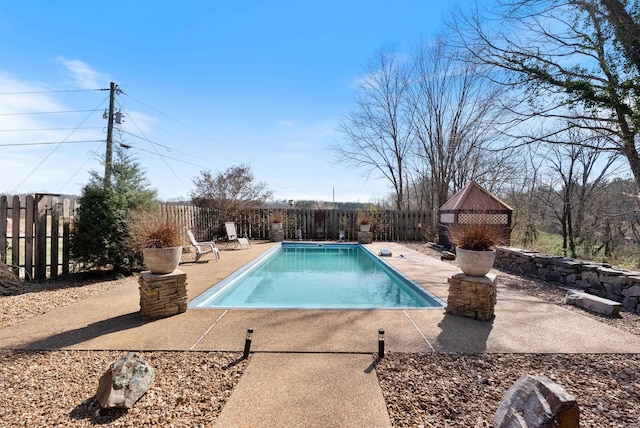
162,296
600,279
472,296
365,237
276,235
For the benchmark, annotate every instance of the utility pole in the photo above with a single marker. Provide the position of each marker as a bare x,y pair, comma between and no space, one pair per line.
108,158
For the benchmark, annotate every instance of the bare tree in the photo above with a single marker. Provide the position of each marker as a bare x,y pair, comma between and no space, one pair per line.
520,194
565,60
575,174
455,118
231,192
377,132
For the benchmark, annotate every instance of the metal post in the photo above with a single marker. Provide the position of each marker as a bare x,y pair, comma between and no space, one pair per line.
247,344
381,343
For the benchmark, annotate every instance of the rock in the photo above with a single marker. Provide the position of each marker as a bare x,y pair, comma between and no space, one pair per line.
125,382
447,255
633,291
537,402
593,303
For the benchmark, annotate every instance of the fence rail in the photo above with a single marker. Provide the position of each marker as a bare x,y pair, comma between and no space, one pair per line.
35,230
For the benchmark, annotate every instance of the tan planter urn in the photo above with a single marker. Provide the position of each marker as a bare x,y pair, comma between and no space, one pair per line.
276,226
162,260
365,227
475,263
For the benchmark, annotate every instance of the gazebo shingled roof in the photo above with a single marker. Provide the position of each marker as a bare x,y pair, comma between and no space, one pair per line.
474,197
473,204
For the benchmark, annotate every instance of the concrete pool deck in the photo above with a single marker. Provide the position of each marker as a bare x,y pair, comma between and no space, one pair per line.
305,354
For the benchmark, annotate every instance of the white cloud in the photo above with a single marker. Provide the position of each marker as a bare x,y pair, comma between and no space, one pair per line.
286,123
18,98
28,121
83,75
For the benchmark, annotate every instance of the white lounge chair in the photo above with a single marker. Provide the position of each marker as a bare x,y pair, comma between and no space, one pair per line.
232,235
203,248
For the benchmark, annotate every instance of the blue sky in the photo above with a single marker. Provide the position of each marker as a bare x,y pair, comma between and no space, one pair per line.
207,85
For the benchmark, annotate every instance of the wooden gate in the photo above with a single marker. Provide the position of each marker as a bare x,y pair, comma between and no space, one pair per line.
35,233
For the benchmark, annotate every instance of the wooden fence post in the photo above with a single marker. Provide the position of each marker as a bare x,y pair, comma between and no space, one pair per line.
41,239
15,235
4,209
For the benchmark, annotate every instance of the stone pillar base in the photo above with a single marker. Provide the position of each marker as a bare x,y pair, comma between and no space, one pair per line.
365,237
276,235
472,296
164,295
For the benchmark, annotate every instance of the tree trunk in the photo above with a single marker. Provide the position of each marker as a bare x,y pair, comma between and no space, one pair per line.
627,31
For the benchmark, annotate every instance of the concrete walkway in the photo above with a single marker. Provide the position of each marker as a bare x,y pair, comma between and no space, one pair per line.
308,364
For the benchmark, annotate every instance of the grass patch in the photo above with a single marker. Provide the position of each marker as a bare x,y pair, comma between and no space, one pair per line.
551,244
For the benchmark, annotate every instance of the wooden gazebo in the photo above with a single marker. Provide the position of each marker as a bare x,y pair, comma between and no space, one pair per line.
474,204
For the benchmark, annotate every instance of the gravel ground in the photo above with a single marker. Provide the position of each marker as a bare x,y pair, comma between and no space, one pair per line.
36,299
445,390
46,389
421,390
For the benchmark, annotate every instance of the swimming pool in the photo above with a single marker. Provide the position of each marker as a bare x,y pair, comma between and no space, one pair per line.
317,276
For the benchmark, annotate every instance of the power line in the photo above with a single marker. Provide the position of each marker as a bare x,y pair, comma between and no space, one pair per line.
50,143
81,167
46,129
168,148
172,158
59,144
161,157
196,131
53,91
144,138
46,112
187,140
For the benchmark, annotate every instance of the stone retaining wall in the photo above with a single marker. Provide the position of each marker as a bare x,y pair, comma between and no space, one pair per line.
620,285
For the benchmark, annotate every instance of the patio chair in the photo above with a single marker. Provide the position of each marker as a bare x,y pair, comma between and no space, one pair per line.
232,236
203,248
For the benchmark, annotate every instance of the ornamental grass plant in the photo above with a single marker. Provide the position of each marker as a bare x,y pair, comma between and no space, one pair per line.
277,217
475,236
364,218
153,230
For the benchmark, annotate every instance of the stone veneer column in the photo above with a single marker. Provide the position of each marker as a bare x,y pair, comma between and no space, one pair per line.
365,237
276,235
472,296
163,295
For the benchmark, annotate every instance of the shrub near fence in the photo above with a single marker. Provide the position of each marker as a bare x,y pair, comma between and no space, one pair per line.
35,230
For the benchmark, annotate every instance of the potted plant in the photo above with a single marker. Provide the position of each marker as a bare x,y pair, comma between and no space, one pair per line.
475,244
364,221
276,220
160,242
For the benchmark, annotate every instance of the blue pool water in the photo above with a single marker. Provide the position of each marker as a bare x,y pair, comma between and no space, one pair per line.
317,276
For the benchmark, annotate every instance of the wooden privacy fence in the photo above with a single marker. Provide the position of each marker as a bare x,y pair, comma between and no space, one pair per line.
35,230
35,233
388,225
